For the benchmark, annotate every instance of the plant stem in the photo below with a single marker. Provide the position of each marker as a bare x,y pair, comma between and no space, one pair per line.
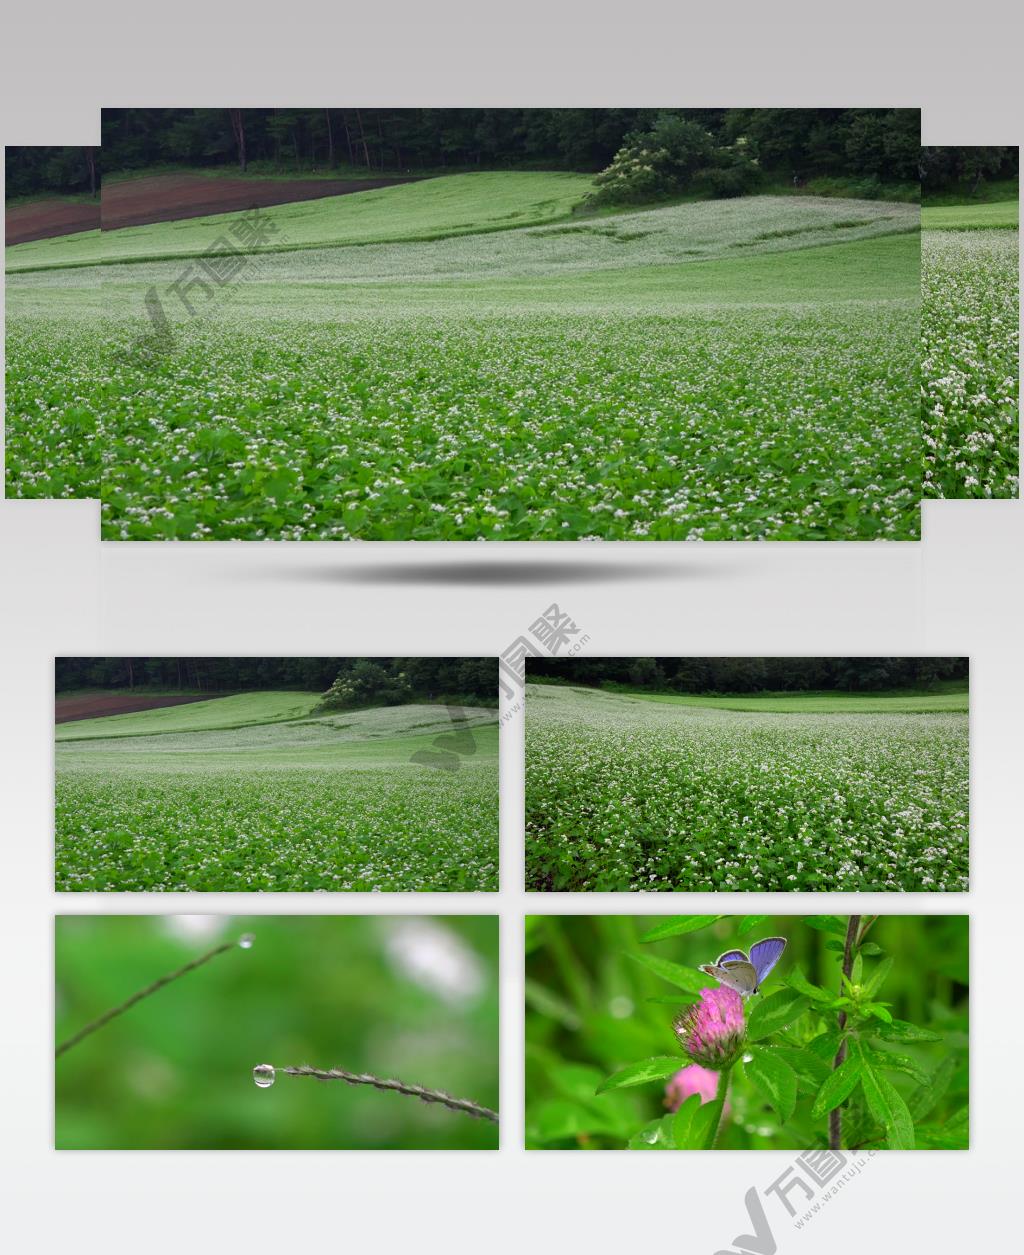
835,1118
720,1096
122,1007
398,1087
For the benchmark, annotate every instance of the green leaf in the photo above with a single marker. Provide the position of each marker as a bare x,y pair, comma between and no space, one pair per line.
888,1061
839,1086
682,1122
697,1131
811,1071
653,1069
826,1045
826,924
900,1030
798,981
774,1078
654,1136
775,1012
676,925
748,923
879,1010
687,978
932,1090
875,981
885,1104
959,1125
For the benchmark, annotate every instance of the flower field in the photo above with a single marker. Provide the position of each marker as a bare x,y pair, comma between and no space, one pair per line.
741,370
971,367
290,804
625,793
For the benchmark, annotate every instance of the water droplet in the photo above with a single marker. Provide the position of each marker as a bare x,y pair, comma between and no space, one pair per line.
650,1136
246,940
264,1074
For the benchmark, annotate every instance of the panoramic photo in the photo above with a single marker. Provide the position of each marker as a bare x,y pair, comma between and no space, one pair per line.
744,774
281,774
970,320
276,1032
839,1033
465,324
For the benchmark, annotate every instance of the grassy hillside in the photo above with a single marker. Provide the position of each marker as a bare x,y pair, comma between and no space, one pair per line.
816,703
237,711
219,740
78,249
679,266
998,214
460,204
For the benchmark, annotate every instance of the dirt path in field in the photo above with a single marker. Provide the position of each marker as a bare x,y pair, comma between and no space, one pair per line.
41,219
94,705
170,197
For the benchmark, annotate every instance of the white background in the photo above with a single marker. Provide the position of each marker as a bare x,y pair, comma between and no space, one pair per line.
63,592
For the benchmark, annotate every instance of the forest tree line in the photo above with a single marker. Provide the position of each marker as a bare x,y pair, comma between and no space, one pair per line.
64,171
752,675
968,167
879,143
343,681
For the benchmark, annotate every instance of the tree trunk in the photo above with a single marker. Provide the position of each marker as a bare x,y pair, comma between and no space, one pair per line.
238,131
348,138
330,138
362,136
90,161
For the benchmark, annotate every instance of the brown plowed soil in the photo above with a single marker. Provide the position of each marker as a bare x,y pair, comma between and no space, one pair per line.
93,705
39,219
169,197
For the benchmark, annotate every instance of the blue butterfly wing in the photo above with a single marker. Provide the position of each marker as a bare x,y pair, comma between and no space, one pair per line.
765,954
732,956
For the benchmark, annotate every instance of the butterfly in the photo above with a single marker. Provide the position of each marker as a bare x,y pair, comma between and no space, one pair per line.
745,975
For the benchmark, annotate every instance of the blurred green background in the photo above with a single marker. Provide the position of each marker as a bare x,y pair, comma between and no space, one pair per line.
409,996
591,1009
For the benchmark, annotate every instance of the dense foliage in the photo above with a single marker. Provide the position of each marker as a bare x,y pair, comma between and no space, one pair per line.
966,167
674,156
858,1039
67,170
753,675
411,996
433,679
624,793
882,143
